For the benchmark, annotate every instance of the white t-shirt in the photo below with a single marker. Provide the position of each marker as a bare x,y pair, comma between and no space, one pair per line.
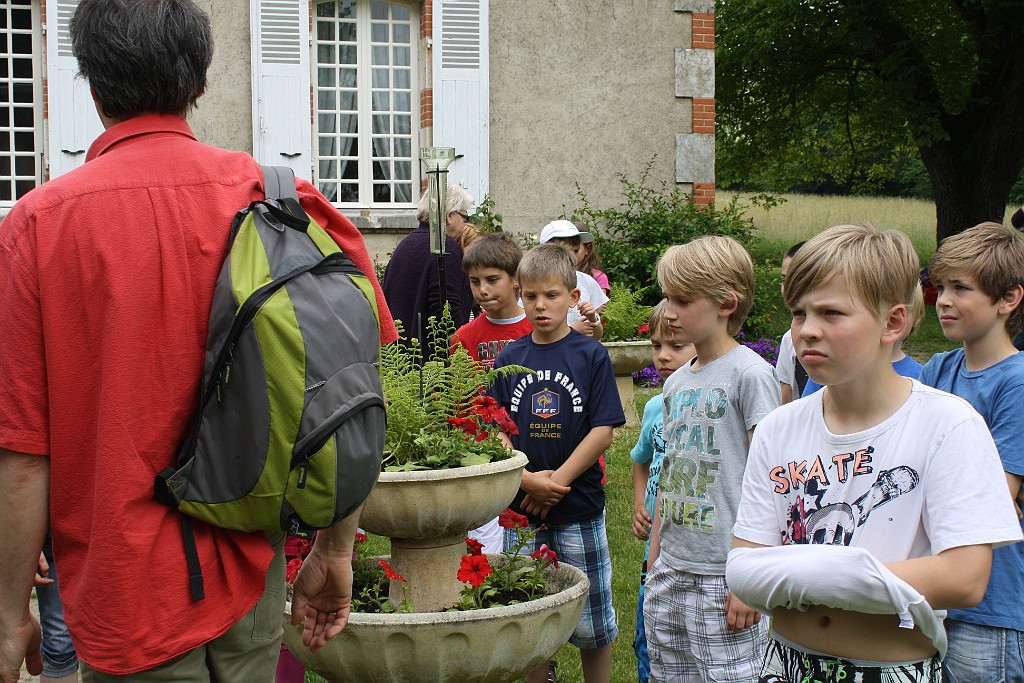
785,366
589,291
926,479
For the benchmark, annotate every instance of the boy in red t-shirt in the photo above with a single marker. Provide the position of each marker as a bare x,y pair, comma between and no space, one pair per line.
491,262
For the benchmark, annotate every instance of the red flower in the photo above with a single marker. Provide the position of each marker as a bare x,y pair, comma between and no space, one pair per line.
481,436
510,519
292,570
643,329
389,572
474,569
360,537
474,546
466,424
546,555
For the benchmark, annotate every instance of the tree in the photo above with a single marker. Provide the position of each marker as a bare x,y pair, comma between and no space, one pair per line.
842,88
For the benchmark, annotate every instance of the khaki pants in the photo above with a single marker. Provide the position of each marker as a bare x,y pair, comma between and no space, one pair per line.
248,651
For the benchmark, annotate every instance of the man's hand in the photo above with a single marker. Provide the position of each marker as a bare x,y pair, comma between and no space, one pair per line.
739,616
322,596
641,523
20,643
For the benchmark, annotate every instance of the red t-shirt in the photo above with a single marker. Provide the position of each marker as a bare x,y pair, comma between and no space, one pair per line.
484,338
106,279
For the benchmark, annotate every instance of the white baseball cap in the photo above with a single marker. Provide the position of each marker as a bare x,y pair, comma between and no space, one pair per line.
563,228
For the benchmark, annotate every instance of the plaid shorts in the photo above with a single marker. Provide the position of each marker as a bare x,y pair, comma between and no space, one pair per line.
786,662
583,545
687,635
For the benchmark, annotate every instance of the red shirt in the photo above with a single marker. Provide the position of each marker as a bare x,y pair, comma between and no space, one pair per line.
106,279
484,338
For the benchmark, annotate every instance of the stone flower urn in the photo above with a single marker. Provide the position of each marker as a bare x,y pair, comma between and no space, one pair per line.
427,514
476,646
628,357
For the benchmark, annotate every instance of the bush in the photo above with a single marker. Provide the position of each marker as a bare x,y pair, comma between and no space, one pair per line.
632,237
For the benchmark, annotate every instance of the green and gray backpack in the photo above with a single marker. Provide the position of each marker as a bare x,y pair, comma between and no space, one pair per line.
290,428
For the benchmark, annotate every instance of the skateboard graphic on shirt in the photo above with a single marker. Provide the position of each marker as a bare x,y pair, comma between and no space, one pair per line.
835,523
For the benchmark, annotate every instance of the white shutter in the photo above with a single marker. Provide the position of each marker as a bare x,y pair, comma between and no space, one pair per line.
73,121
461,89
282,124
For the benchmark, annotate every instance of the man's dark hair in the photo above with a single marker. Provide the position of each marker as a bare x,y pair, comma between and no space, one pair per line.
142,56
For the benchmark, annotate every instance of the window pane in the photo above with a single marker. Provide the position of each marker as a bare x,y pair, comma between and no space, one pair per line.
403,124
325,30
403,101
380,78
327,77
403,192
379,56
403,147
402,56
381,123
347,9
403,170
381,147
347,31
349,123
326,9
379,10
403,78
400,33
381,101
400,12
381,193
326,123
326,54
347,54
326,99
379,33
347,78
347,100
348,192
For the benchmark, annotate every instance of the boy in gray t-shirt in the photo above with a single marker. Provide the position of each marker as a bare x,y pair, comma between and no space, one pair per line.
696,630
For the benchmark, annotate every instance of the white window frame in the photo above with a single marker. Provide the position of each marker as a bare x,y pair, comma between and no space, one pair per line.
364,107
12,179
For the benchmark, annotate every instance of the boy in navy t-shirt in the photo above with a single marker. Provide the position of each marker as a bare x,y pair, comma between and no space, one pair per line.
565,410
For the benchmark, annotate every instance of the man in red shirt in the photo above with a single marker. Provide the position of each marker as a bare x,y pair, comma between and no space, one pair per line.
106,279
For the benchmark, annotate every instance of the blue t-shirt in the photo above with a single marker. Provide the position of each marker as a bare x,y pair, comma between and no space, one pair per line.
571,391
650,447
905,367
996,393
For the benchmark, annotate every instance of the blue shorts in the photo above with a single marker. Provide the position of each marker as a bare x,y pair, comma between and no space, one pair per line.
59,656
583,545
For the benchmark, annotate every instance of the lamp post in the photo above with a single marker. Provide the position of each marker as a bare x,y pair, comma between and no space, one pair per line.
436,161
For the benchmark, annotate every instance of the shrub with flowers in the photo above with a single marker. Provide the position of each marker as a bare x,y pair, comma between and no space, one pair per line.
515,580
438,416
625,319
766,348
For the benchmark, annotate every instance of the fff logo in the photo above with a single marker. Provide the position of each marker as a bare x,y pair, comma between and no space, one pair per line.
545,404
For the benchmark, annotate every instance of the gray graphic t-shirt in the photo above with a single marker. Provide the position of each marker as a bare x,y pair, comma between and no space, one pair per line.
707,415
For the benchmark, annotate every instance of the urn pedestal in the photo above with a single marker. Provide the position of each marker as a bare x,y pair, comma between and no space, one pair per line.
628,357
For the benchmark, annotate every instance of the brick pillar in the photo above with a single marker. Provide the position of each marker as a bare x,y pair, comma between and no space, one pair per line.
703,38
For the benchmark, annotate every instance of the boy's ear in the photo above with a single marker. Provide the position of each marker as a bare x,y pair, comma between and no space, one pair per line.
1011,300
897,322
729,307
574,298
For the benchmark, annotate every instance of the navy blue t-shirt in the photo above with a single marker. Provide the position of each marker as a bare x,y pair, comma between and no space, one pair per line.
571,391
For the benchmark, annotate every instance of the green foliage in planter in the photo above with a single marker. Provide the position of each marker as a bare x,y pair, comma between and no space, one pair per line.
435,416
624,315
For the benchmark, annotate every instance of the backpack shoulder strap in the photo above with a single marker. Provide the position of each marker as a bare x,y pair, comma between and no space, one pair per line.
279,188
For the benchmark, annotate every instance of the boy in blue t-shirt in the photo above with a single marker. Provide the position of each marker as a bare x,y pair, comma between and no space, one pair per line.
668,356
979,275
565,410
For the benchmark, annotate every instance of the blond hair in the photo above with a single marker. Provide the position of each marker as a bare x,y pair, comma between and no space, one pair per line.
656,323
915,309
880,266
713,267
548,261
992,255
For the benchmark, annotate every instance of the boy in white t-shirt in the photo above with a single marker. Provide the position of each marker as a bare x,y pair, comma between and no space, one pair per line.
884,495
583,318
